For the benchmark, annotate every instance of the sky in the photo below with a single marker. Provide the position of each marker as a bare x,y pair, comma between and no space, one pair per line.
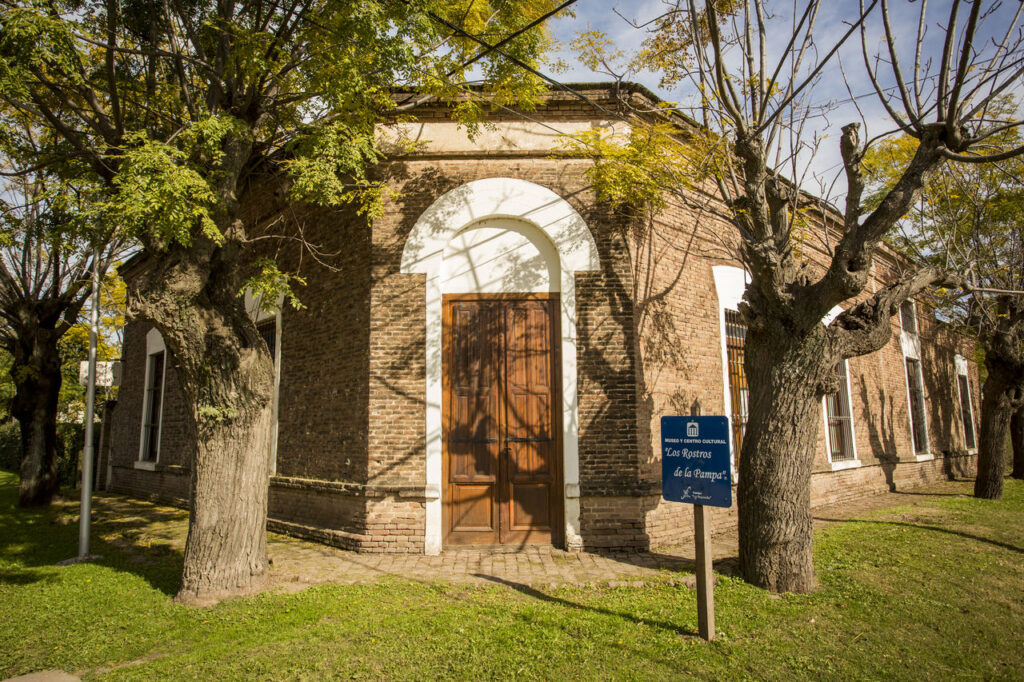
822,168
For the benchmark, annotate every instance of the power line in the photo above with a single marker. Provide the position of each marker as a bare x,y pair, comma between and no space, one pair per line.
523,65
539,20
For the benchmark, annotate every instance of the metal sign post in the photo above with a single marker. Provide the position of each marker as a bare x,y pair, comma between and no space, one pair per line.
696,469
90,411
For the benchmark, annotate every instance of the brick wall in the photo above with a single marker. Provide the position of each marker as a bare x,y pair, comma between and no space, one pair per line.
351,454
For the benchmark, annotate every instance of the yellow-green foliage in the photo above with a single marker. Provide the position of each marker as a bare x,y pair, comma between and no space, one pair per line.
268,283
301,88
640,167
968,218
160,195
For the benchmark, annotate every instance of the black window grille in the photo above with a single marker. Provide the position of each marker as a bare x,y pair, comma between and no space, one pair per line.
735,340
268,330
908,318
154,397
965,412
917,410
840,421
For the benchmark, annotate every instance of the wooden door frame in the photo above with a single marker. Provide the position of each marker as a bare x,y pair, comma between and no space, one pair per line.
557,511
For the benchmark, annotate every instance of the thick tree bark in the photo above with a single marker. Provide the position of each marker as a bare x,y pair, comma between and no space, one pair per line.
226,549
996,412
191,294
227,379
1017,441
37,381
775,524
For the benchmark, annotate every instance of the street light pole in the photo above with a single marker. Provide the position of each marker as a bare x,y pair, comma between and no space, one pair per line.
90,410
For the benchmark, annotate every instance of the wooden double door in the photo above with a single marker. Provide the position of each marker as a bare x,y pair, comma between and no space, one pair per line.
502,420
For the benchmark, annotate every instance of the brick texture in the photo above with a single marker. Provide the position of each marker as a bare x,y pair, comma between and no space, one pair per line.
351,453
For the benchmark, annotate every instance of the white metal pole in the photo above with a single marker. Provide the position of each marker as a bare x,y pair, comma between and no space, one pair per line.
90,411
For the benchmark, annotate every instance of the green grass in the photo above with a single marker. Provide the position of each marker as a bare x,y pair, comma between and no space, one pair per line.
932,590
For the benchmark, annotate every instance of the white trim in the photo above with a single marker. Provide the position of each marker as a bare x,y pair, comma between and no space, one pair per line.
258,314
465,206
846,463
154,345
961,367
276,403
730,285
143,464
926,457
927,454
910,343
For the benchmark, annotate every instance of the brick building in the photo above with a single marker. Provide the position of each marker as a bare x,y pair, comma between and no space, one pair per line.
487,363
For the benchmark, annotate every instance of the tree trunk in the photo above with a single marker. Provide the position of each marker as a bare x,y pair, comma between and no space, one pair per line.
996,412
1017,440
191,292
774,495
226,375
226,549
37,380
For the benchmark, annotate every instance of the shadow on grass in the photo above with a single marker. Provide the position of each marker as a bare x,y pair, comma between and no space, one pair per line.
726,565
551,599
938,529
910,492
34,539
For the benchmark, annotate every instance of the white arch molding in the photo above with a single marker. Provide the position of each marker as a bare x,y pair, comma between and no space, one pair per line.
537,242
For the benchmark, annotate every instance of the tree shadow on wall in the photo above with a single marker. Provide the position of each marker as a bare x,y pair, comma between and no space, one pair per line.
881,431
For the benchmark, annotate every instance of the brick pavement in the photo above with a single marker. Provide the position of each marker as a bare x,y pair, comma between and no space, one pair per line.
142,528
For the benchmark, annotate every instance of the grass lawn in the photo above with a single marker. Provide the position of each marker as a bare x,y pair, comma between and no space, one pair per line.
929,591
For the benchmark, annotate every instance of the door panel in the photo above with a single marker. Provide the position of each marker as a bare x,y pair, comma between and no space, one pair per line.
530,437
502,424
471,432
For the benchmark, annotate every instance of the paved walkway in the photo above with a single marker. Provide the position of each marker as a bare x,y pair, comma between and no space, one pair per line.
143,529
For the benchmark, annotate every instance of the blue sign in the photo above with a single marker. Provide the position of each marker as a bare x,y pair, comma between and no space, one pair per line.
695,466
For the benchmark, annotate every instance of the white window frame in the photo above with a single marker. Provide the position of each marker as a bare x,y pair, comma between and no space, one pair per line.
730,285
154,345
911,344
846,463
960,363
254,307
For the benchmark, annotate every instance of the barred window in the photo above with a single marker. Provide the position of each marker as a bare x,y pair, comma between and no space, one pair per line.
840,420
268,330
908,318
153,411
966,413
919,428
739,394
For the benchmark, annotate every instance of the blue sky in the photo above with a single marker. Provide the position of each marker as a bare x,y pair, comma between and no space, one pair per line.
824,167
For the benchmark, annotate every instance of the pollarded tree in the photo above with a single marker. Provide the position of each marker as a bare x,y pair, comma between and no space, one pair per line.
967,220
187,109
49,243
750,69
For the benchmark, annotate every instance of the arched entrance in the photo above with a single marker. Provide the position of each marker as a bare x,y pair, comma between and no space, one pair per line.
501,255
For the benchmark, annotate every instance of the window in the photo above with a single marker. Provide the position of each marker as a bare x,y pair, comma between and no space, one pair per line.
908,318
152,401
154,407
739,394
918,426
966,407
839,419
268,326
268,330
